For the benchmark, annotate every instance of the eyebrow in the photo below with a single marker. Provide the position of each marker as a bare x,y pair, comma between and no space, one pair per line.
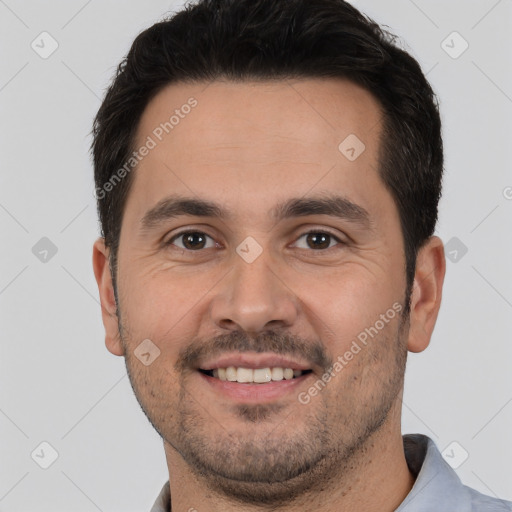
333,205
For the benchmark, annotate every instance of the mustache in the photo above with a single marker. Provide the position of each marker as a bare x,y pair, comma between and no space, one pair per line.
238,341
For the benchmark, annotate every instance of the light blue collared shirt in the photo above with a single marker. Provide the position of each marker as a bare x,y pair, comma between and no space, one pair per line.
437,487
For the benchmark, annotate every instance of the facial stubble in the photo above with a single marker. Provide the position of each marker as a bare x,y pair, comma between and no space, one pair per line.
277,452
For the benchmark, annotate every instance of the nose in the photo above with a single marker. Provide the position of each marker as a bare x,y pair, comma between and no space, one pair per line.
254,297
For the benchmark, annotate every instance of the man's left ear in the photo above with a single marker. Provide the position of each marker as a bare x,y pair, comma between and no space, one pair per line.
426,293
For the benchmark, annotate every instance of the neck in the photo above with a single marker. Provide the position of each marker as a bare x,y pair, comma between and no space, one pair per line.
376,478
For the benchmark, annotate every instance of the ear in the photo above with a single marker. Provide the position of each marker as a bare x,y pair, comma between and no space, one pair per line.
100,263
426,293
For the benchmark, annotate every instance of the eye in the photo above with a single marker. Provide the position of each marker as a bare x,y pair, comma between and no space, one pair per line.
319,240
192,240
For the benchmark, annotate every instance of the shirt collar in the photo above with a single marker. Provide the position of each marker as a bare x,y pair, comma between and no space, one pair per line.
437,486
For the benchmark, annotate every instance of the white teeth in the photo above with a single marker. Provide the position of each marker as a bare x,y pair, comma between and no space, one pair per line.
245,375
277,373
262,375
231,373
258,375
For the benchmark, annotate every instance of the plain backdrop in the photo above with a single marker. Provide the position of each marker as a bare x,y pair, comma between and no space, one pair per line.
59,384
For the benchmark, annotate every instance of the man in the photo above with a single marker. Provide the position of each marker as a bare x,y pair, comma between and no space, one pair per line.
268,174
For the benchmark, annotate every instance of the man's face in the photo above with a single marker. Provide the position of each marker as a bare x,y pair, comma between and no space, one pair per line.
254,290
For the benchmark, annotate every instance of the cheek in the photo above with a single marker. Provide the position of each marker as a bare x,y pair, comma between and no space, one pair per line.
349,300
160,304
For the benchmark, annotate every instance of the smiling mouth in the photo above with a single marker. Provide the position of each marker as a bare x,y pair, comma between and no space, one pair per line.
254,375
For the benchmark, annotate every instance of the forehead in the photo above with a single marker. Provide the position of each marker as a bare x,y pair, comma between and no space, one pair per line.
227,111
257,139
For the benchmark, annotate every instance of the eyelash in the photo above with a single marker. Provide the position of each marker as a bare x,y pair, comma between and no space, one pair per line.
313,231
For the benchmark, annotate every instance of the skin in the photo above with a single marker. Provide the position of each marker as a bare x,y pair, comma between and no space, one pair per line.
249,146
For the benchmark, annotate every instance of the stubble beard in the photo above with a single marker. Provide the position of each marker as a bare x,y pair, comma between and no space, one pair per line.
307,449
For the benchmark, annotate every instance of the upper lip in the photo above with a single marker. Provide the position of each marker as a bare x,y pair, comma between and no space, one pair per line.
254,360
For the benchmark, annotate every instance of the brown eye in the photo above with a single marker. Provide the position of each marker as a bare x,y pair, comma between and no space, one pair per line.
191,240
319,240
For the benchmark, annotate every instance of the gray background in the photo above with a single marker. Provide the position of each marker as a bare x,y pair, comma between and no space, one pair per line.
59,384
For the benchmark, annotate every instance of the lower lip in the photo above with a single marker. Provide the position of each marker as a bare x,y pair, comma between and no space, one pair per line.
255,393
